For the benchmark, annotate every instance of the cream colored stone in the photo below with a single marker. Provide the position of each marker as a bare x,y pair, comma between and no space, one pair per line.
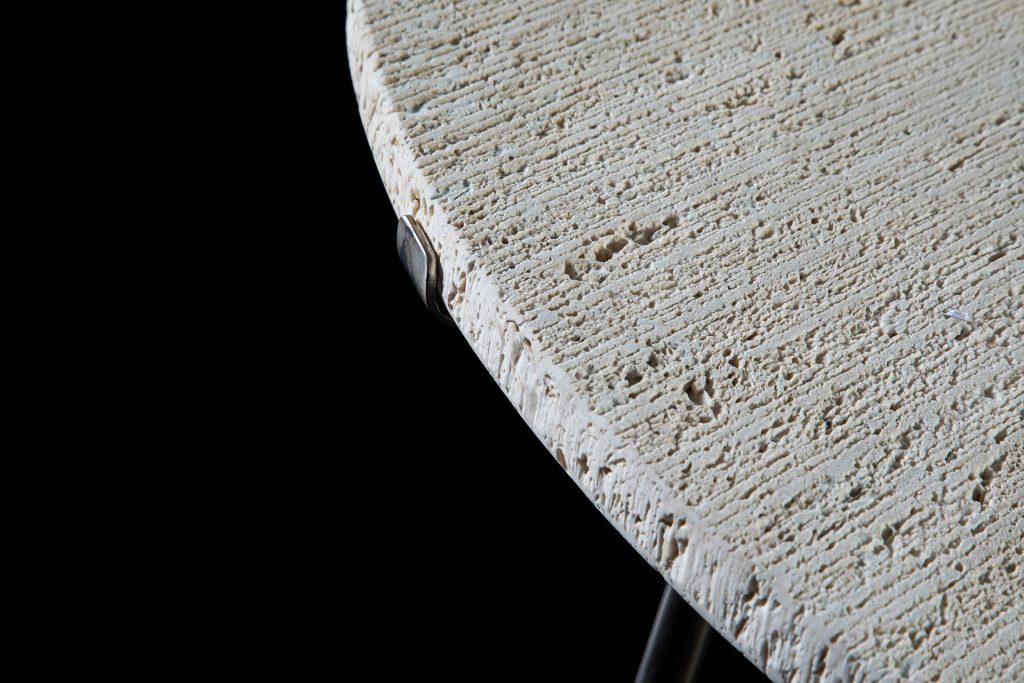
711,252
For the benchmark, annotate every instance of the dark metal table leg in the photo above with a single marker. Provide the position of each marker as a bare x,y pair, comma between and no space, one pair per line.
676,646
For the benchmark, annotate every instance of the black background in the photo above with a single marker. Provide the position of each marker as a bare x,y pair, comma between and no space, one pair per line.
481,557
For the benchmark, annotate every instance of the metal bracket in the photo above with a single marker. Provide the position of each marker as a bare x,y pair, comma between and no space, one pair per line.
422,266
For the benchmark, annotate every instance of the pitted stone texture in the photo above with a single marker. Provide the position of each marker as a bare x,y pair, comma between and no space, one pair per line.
709,249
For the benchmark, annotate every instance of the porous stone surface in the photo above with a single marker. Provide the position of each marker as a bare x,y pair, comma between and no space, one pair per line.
753,272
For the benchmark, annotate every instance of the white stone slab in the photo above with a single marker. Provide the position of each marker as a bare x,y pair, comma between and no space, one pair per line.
753,272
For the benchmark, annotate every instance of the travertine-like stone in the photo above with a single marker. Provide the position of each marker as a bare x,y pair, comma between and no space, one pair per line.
753,272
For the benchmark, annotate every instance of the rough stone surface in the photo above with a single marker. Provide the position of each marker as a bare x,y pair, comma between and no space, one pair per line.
753,272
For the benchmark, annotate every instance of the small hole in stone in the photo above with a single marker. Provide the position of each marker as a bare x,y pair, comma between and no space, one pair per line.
694,395
560,457
979,494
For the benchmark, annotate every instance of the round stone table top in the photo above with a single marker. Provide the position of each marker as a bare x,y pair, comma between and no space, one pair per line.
754,274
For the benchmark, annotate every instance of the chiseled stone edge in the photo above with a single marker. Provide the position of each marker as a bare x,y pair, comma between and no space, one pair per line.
750,608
